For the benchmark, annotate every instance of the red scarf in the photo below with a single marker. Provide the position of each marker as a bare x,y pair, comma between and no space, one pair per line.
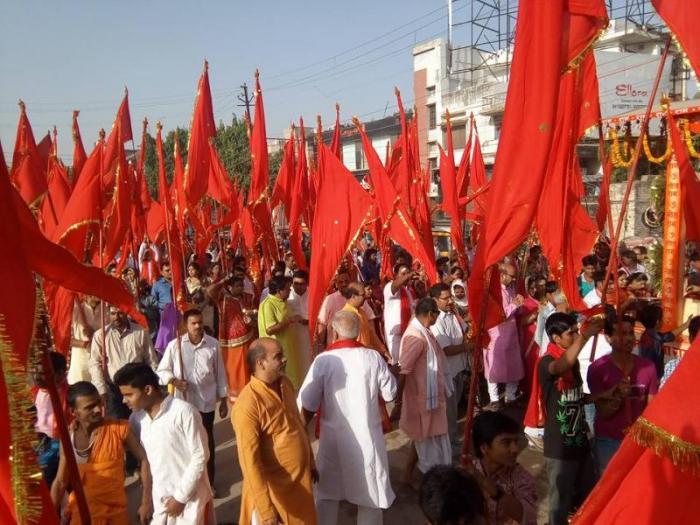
405,308
343,343
536,408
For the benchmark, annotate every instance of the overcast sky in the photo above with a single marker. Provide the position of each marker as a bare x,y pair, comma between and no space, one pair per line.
59,56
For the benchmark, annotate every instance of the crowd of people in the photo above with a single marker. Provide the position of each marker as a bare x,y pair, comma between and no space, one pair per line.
388,352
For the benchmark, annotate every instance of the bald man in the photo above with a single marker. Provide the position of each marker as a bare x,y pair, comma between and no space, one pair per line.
347,381
503,361
273,448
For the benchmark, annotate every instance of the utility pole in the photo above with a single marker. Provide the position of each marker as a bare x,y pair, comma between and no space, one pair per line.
245,99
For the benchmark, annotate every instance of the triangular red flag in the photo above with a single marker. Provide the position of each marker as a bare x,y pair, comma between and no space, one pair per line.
28,168
79,155
198,154
690,184
342,211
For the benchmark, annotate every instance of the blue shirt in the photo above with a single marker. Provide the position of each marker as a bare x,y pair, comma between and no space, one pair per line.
162,290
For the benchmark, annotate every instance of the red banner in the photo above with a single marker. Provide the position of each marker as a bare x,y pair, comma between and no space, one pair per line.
671,275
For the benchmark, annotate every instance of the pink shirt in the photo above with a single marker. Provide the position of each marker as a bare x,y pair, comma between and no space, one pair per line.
44,413
603,374
416,421
332,304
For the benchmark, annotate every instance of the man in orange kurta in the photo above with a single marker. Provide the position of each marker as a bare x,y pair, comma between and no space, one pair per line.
98,446
354,294
273,447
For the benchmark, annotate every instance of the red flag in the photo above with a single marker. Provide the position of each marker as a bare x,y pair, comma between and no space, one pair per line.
286,178
144,196
258,150
220,188
477,174
258,194
450,196
44,148
82,216
681,17
299,204
28,168
79,155
548,36
198,152
118,216
59,190
172,235
419,189
661,445
404,175
336,146
394,214
342,211
690,185
155,222
120,134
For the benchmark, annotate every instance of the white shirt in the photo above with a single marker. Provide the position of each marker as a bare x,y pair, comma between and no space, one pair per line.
176,446
541,337
592,298
133,345
392,319
584,357
449,330
204,371
352,459
298,304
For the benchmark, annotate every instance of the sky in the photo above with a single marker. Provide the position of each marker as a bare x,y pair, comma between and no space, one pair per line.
60,56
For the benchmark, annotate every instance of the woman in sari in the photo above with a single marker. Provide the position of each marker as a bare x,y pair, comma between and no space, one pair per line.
236,331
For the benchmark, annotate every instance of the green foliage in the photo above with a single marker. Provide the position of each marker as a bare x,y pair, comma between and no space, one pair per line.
231,143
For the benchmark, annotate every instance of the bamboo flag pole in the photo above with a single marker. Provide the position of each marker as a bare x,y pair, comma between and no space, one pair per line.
631,173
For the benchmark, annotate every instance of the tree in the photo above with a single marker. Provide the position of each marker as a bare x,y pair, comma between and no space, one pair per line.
231,143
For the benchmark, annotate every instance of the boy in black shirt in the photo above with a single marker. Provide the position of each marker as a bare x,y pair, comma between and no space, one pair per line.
570,466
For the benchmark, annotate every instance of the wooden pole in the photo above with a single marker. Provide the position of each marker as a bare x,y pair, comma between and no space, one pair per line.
61,423
476,361
631,173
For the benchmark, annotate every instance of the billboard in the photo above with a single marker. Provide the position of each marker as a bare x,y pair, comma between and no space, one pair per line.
626,81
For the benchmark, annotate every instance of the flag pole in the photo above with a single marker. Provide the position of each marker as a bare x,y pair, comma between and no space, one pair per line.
476,362
103,324
56,405
159,127
631,173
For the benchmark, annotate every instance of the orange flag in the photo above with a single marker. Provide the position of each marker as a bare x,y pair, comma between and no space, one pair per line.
393,212
79,155
342,211
198,153
450,197
28,169
550,35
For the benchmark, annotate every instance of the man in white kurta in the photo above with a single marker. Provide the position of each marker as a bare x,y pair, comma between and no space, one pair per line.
345,382
174,439
298,304
398,307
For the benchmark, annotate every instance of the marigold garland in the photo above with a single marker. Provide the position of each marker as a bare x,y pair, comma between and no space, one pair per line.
647,150
689,139
615,155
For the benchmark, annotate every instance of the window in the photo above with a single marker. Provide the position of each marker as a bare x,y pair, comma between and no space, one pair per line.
459,135
432,116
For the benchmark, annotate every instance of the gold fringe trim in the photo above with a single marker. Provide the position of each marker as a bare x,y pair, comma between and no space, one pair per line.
683,454
25,473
